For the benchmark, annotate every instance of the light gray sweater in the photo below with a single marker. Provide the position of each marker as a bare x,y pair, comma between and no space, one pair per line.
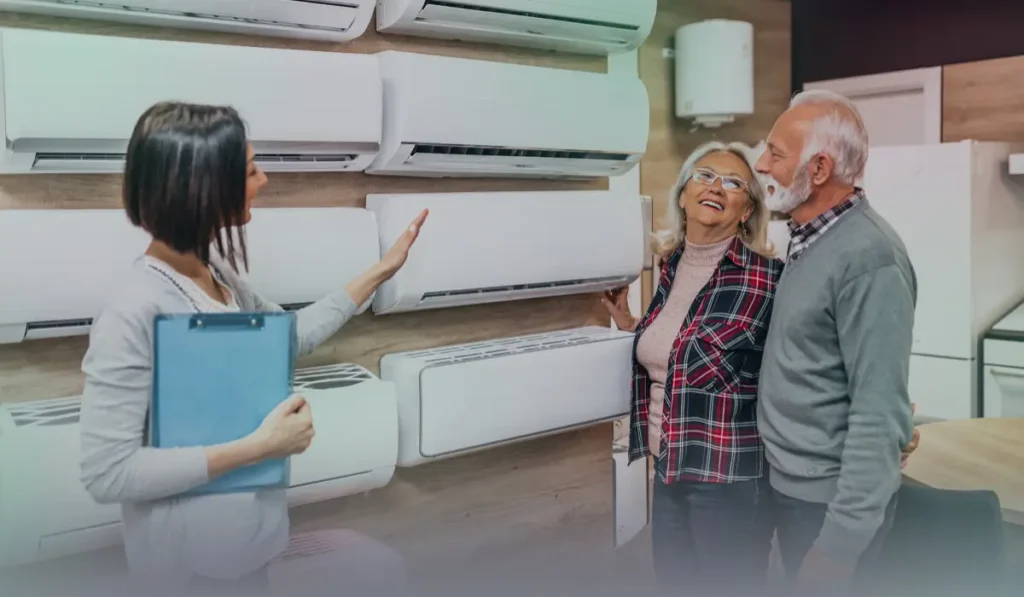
833,408
169,538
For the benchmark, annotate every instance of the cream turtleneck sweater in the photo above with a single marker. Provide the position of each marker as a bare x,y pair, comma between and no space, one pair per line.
695,269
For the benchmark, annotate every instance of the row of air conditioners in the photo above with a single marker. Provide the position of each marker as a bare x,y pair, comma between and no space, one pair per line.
427,405
583,26
69,104
476,248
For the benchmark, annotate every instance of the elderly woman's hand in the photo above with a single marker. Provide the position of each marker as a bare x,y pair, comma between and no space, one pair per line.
616,301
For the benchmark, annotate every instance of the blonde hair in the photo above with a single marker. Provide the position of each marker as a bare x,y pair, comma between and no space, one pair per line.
754,233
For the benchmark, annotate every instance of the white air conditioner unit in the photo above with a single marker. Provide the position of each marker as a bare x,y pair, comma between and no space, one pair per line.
458,399
490,247
60,266
70,102
45,511
323,20
583,26
448,116
355,416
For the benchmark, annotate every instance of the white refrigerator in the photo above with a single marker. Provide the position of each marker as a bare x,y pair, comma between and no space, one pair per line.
961,216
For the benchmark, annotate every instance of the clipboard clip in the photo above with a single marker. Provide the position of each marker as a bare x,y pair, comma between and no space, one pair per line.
222,321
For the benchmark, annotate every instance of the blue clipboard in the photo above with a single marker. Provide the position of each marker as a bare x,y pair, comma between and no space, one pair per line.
216,376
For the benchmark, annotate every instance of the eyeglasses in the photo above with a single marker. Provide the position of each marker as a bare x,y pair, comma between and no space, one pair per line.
708,177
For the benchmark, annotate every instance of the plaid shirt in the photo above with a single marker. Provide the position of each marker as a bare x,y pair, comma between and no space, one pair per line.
710,411
801,237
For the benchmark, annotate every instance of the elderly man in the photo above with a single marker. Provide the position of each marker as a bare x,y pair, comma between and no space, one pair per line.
834,410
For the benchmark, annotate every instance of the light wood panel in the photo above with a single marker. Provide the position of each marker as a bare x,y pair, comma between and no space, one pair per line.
981,100
671,139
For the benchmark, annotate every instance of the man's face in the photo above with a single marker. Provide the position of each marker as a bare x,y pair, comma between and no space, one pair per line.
786,180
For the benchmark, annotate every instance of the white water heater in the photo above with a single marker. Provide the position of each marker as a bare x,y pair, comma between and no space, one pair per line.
714,71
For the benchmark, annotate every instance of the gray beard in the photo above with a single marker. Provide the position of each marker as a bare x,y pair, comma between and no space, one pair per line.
786,199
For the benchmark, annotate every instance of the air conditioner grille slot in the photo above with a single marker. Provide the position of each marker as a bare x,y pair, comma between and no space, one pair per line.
570,154
519,287
450,355
214,17
45,413
261,158
528,14
330,377
64,323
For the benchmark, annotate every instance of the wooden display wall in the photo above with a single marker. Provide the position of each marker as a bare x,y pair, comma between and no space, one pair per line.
555,492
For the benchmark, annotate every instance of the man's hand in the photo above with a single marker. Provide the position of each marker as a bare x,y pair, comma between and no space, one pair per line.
914,439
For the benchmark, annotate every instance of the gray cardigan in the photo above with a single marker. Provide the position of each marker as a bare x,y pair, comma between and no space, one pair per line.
170,538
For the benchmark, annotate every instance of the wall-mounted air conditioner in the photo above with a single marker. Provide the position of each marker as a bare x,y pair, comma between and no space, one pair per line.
71,101
448,116
459,399
45,511
491,247
355,416
324,20
50,291
583,26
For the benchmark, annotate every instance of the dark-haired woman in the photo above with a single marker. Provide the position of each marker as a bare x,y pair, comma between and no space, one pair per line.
189,176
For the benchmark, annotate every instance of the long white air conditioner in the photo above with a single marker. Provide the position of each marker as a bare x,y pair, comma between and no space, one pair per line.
583,26
489,247
323,20
464,398
70,101
45,511
60,266
448,116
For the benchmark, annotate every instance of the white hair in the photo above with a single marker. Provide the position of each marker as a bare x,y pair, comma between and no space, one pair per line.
754,233
839,133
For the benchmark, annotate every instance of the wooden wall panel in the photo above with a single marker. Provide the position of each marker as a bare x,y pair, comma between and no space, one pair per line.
981,100
553,492
671,138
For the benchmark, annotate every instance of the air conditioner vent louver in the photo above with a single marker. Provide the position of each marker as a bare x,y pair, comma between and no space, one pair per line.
451,355
527,14
434,149
330,377
46,413
66,323
516,287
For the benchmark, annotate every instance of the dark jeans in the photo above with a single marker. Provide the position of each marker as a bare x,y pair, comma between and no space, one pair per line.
798,524
711,538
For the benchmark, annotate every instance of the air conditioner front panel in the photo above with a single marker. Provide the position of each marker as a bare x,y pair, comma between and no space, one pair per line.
458,116
45,511
476,247
325,20
299,255
46,283
304,110
43,504
595,27
464,398
355,416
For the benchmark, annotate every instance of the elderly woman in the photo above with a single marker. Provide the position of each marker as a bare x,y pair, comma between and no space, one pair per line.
695,374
